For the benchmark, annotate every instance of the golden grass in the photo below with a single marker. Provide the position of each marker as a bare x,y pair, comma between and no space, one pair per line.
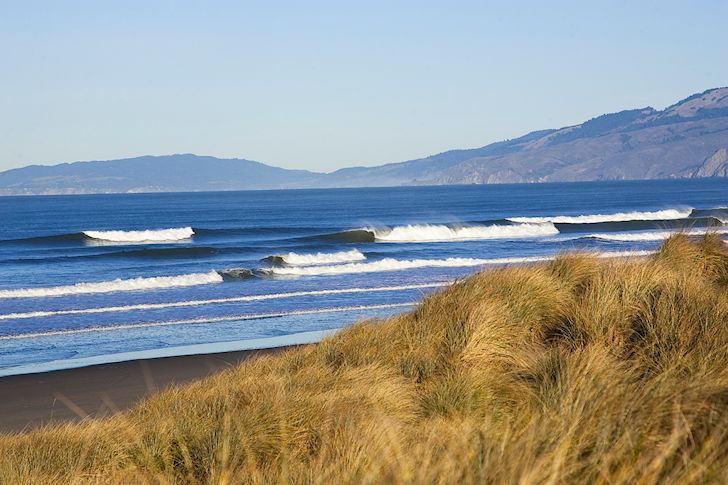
579,370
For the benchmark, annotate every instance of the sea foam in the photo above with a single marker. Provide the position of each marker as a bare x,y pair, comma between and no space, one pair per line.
133,284
147,236
617,217
296,259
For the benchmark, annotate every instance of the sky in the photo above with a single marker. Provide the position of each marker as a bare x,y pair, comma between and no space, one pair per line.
324,85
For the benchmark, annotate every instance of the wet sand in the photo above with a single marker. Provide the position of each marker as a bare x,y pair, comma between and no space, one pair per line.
31,400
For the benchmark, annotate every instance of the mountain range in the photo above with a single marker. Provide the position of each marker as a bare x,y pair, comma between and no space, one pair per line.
688,139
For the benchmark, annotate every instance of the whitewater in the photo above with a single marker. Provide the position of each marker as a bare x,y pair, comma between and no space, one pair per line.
660,215
117,285
440,233
390,264
145,236
296,259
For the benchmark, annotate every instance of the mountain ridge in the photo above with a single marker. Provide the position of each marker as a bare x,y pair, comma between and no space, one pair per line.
686,139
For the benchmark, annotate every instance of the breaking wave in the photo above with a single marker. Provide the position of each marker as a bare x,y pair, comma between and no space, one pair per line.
390,264
147,236
437,233
133,284
296,259
617,217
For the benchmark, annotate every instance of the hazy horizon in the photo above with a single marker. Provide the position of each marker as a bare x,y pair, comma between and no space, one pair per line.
326,86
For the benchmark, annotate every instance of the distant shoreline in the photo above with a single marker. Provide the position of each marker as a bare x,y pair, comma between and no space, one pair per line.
7,195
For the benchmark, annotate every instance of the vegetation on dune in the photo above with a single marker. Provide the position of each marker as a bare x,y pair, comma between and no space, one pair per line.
579,370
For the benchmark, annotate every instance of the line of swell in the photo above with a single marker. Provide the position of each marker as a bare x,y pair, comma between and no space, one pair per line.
649,236
236,299
75,237
720,213
640,225
113,286
193,321
665,214
147,253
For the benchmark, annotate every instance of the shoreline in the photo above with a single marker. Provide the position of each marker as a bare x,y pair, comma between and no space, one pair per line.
288,340
100,390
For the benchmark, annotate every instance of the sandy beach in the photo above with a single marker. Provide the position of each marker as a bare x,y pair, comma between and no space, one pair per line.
31,400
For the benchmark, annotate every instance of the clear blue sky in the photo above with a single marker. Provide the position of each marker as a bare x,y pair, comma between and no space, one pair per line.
325,85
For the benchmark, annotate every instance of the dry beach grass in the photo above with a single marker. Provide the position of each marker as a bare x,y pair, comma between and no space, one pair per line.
578,370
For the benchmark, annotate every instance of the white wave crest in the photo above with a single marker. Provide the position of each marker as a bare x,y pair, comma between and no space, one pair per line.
660,215
649,236
390,264
133,284
438,233
148,236
295,259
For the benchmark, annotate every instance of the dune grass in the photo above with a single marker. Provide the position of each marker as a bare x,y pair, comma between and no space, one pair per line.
579,370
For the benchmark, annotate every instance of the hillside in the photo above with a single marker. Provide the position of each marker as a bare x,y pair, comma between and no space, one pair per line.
687,139
581,370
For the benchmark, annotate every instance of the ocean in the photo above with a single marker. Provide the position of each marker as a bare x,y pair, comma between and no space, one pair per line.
101,278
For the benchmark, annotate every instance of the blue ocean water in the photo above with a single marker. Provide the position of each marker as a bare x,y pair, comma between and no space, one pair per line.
99,275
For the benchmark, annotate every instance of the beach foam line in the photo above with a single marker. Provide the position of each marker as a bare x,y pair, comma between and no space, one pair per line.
146,236
665,214
236,299
441,233
194,321
299,338
297,259
117,285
